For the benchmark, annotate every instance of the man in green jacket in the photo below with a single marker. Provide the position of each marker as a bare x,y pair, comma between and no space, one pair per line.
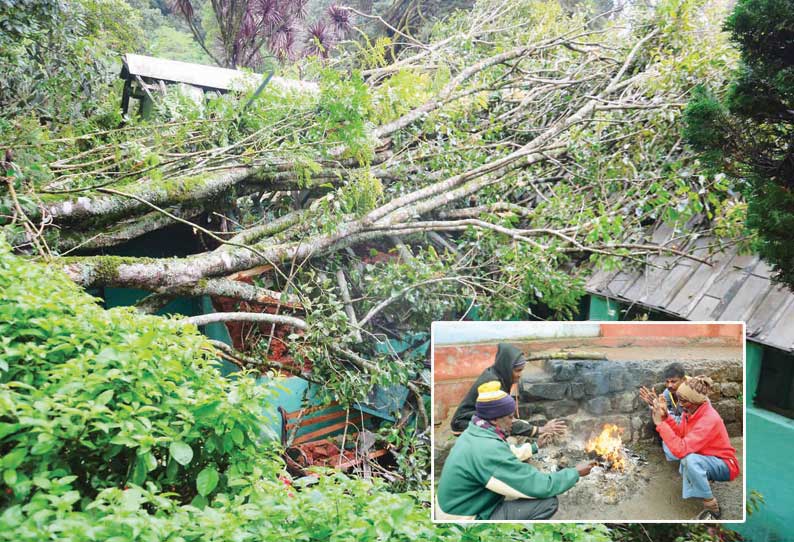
482,479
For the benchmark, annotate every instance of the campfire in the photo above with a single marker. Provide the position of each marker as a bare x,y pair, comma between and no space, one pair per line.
607,448
619,472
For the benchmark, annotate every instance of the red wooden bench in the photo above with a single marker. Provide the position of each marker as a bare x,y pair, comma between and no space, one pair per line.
325,435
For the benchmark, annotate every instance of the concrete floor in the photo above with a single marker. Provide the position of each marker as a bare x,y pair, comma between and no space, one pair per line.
657,497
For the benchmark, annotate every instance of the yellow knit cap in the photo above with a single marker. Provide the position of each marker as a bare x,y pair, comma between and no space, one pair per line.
490,391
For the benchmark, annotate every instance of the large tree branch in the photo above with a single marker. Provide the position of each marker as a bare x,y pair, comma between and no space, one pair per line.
223,288
246,362
169,275
264,318
164,193
394,297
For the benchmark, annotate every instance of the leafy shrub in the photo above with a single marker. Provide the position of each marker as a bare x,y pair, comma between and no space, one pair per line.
116,426
93,399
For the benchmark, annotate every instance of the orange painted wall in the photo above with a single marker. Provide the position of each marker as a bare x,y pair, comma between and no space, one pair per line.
456,362
730,333
455,368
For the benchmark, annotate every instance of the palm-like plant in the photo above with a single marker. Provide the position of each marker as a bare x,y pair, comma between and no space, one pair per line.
250,29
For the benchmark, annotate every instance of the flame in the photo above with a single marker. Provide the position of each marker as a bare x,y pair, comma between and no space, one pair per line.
609,445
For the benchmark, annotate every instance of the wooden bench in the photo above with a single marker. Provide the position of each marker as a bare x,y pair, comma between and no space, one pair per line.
306,435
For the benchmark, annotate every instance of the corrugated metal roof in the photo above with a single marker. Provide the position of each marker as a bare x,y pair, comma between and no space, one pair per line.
199,75
735,287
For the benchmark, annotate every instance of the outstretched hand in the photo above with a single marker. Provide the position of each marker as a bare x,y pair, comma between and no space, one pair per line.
545,438
585,467
553,427
659,410
648,396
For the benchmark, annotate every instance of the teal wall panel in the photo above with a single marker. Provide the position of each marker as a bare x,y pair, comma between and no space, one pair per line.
754,353
289,393
769,446
603,309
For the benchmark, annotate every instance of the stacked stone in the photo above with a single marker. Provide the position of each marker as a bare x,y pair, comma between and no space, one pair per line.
590,393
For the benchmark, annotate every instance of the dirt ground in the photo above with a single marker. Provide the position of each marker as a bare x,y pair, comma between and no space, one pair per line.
657,497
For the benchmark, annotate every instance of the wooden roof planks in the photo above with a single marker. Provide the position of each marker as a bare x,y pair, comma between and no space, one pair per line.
736,287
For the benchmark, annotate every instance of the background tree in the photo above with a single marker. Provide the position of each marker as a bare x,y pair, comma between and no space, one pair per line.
748,130
167,34
245,30
58,59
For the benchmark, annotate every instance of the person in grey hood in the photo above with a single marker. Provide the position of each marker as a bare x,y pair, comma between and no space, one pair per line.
506,369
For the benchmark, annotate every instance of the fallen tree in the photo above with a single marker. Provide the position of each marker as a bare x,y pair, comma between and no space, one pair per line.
485,166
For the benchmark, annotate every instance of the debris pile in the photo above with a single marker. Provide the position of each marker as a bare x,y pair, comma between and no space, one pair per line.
322,453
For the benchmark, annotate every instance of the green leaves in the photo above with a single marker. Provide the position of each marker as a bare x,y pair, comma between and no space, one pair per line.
107,400
14,458
237,436
181,452
104,397
207,481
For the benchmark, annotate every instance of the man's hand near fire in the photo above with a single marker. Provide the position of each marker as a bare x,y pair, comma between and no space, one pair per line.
585,466
545,439
553,427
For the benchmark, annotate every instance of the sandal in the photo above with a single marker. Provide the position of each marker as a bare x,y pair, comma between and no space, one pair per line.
709,515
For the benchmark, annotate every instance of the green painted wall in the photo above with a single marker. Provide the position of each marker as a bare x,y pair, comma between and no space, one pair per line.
769,445
754,352
603,309
289,394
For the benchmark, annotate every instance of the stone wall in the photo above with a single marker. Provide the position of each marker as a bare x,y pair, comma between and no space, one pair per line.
588,394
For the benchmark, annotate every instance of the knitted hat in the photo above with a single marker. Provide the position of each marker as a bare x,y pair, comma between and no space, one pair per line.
695,389
492,402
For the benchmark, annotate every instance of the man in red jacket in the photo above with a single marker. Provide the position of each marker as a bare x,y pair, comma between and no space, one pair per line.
700,441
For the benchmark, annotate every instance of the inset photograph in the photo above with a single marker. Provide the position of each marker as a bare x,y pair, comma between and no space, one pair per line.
588,421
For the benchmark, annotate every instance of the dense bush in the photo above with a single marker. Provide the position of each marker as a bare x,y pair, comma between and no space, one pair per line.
93,400
116,427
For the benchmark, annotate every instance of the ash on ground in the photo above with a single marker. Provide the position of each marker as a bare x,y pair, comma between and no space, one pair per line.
604,485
